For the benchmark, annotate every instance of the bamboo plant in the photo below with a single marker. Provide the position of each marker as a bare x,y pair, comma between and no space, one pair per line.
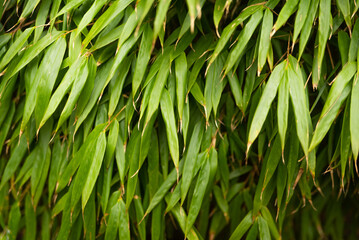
160,119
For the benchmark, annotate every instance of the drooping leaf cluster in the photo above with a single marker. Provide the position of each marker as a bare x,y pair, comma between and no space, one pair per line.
163,119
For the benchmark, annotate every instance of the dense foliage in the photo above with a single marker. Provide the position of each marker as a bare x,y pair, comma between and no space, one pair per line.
179,119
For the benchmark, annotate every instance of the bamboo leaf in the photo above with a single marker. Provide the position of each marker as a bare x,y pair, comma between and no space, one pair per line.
61,90
298,96
29,7
94,168
161,12
41,18
30,219
338,93
198,196
76,90
169,118
69,6
34,50
267,97
354,43
300,18
111,13
307,27
264,39
157,89
353,118
228,31
163,189
242,227
144,55
344,6
124,227
181,82
287,10
263,228
190,159
15,47
243,39
282,110
218,11
90,14
113,222
323,33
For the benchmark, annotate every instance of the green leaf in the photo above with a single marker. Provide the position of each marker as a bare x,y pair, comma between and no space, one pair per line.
282,110
79,156
271,224
160,17
308,26
218,11
263,228
164,188
264,41
133,158
120,158
94,168
76,90
69,6
345,138
354,43
105,19
39,164
62,89
228,31
14,220
30,219
34,50
120,56
287,10
116,86
113,222
46,77
192,5
90,14
253,231
100,82
267,98
124,227
143,57
57,159
323,34
298,97
89,219
157,89
181,82
171,129
41,18
15,48
272,162
15,159
354,124
243,38
198,195
236,89
190,158
300,18
221,201
242,227
29,7
344,6
338,93
343,43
